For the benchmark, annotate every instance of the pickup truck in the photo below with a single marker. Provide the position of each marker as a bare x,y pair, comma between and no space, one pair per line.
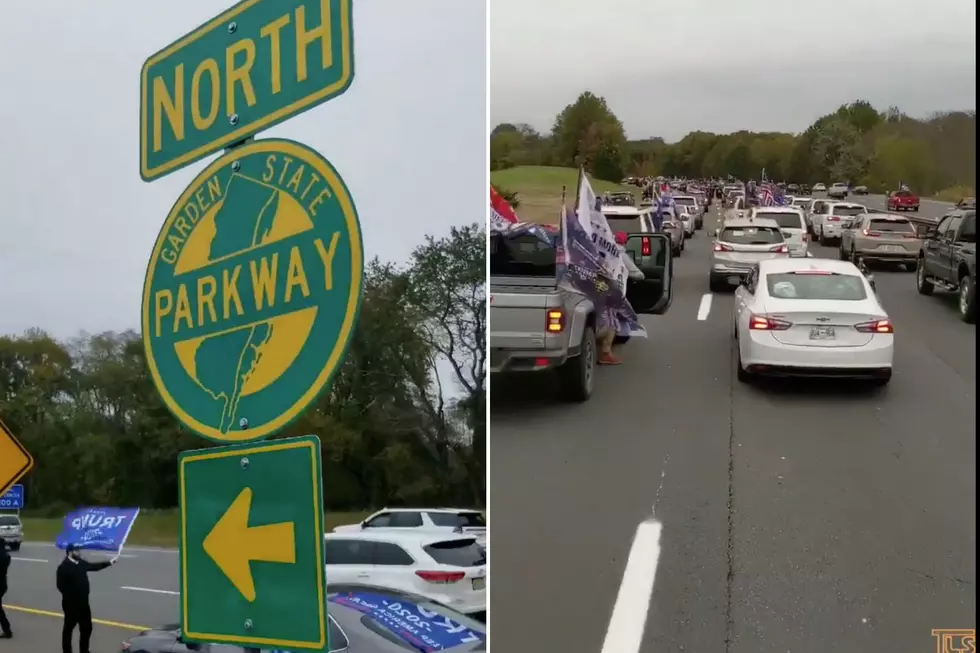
902,200
541,325
949,260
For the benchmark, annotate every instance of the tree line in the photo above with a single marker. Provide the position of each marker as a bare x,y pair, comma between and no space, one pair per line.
856,143
396,427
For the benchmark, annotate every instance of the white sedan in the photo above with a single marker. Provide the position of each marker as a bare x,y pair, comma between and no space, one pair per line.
811,317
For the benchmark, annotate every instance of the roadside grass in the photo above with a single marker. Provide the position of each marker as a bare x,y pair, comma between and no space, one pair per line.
159,527
955,194
539,190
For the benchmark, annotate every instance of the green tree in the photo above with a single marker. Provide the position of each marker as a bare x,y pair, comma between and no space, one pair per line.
587,133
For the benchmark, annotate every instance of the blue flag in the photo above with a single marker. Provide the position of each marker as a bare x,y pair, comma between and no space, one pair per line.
97,529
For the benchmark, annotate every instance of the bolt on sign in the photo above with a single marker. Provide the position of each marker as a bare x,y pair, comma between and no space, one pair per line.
255,65
251,545
252,291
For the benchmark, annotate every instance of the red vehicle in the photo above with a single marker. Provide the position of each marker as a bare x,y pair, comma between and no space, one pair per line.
903,200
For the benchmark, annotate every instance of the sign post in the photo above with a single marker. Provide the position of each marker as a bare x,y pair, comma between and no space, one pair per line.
250,300
14,459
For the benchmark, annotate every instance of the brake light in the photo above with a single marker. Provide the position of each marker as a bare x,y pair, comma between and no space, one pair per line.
872,234
723,248
556,321
442,577
779,249
833,218
766,323
806,237
875,326
645,246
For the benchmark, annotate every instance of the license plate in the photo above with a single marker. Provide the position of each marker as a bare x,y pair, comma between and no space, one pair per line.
479,583
891,248
822,333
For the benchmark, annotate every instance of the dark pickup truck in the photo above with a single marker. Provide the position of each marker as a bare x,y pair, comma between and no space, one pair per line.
948,260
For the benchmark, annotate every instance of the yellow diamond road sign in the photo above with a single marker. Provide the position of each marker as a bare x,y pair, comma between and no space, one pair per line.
14,459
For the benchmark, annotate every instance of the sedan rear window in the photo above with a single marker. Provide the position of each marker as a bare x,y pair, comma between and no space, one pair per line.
457,553
751,235
791,285
891,226
784,220
849,210
685,201
9,520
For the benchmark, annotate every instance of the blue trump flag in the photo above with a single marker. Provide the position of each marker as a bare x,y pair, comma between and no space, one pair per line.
97,529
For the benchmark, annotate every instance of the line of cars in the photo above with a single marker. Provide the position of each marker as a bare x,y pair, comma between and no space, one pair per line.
404,579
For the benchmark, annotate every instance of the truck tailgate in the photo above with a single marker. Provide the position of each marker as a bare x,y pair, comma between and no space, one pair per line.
518,315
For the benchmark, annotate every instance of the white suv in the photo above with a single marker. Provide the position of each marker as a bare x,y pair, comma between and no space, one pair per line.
448,568
11,531
451,520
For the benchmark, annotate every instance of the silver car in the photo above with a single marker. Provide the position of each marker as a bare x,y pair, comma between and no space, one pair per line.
675,230
830,218
880,237
739,245
11,531
791,223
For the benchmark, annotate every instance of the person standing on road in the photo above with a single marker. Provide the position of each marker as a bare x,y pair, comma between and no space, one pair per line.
4,567
607,334
72,581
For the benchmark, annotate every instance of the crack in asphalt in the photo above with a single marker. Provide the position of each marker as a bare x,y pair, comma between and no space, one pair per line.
730,544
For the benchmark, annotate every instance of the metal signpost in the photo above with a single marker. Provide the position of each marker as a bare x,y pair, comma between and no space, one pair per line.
13,499
259,63
14,459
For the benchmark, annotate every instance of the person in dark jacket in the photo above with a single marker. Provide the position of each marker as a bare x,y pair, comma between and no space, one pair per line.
4,567
72,581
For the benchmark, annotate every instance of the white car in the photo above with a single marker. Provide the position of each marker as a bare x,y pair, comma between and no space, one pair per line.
449,520
688,217
819,188
446,568
829,219
811,317
791,223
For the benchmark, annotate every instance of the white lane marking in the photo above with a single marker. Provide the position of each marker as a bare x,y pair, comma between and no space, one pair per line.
18,558
629,616
150,590
705,306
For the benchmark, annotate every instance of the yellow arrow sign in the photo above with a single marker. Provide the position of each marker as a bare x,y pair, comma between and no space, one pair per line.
234,545
14,459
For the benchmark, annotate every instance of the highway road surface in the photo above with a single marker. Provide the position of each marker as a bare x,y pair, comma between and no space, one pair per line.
723,518
138,592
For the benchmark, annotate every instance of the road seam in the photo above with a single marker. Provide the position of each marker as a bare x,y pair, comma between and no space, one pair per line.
730,544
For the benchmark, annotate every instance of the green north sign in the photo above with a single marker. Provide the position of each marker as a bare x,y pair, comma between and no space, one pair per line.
252,291
255,65
251,545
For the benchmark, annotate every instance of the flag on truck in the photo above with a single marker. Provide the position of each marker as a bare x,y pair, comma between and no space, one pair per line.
501,213
592,263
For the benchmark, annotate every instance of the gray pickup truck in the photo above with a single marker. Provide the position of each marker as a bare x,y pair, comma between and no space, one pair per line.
539,326
948,260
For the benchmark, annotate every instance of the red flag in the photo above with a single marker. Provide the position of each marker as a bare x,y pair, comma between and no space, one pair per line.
500,210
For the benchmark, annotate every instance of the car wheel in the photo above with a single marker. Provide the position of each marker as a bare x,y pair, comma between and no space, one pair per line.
922,284
822,240
741,373
575,376
968,300
714,285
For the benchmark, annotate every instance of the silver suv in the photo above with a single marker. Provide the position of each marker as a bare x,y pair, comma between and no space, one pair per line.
11,531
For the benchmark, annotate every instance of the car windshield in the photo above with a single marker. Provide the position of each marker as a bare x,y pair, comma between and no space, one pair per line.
784,220
626,224
848,210
903,193
9,520
891,226
751,235
833,286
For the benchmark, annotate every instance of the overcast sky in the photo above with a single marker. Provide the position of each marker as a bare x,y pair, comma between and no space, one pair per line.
668,68
78,223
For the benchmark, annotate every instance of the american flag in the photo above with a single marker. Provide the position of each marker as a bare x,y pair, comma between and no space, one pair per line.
502,216
766,197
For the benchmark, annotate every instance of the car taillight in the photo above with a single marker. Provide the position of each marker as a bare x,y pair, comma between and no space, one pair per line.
723,248
806,237
833,218
645,247
871,234
443,577
875,326
556,321
779,249
766,323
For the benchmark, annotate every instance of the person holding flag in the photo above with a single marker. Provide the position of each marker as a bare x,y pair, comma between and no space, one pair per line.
72,582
